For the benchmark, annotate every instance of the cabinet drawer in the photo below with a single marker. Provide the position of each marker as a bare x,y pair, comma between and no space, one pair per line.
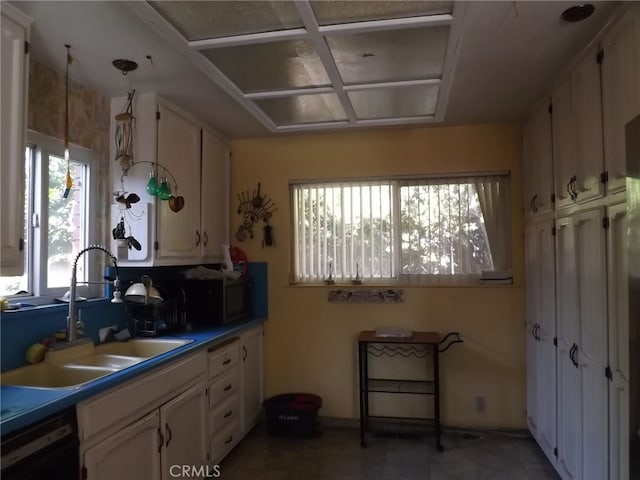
223,357
225,386
224,441
224,414
122,405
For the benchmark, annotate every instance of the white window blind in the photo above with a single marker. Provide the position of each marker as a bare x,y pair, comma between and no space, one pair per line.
424,230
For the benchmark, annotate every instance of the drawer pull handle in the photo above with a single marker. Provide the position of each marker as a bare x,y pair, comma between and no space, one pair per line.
227,388
229,440
228,414
166,425
227,361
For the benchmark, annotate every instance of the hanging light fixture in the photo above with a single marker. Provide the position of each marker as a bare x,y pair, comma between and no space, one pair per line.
69,180
125,122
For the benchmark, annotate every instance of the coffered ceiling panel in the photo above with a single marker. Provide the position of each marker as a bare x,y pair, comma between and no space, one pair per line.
412,101
270,66
337,12
307,65
390,55
198,20
303,109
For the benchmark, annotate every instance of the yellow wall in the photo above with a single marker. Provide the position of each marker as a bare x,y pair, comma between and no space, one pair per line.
310,343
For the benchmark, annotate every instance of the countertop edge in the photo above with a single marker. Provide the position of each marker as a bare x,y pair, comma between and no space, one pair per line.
55,400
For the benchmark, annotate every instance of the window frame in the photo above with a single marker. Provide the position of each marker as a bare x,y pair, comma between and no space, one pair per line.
397,182
37,221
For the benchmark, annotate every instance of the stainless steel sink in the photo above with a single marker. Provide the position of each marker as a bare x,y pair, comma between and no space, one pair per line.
83,363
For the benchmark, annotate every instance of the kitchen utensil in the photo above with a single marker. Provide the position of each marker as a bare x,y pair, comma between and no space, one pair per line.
144,292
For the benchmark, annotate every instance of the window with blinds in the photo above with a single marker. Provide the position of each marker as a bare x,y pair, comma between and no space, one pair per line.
424,230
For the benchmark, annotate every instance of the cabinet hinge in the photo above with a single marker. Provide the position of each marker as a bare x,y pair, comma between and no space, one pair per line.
553,231
157,115
600,56
553,198
605,223
156,245
21,244
604,177
27,48
84,473
555,341
608,373
555,452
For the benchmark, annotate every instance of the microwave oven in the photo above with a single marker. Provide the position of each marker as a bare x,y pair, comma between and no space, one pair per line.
216,302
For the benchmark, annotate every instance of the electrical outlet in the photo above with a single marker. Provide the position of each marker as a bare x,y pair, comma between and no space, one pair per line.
481,404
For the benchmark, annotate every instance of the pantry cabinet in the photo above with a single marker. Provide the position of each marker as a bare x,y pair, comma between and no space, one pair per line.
582,345
541,331
15,65
577,134
618,334
537,161
620,92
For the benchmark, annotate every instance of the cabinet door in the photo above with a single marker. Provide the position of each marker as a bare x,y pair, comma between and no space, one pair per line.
215,197
178,233
586,115
131,454
546,365
592,352
538,167
569,383
13,85
618,298
532,271
620,92
183,423
252,368
562,141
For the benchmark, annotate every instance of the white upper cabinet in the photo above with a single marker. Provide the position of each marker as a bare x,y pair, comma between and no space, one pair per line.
620,91
198,162
15,35
179,233
537,161
577,134
214,213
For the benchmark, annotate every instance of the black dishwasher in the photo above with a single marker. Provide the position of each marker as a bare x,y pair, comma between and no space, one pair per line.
46,450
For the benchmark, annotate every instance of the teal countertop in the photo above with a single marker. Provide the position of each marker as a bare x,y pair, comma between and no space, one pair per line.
22,406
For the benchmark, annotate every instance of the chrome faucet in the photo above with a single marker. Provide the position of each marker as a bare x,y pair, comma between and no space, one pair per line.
72,334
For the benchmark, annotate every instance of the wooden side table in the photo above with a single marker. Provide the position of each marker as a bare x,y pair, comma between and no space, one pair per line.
421,344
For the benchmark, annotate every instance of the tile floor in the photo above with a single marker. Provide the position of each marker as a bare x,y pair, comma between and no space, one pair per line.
335,454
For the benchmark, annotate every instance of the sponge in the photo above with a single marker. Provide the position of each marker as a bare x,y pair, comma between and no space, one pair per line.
35,353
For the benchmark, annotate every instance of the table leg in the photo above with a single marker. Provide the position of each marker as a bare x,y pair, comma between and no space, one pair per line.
362,368
436,391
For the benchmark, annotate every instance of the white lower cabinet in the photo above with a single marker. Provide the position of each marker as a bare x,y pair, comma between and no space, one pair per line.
224,407
149,427
132,453
252,374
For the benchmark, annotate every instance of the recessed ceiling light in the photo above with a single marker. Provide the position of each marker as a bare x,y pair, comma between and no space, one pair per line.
578,13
